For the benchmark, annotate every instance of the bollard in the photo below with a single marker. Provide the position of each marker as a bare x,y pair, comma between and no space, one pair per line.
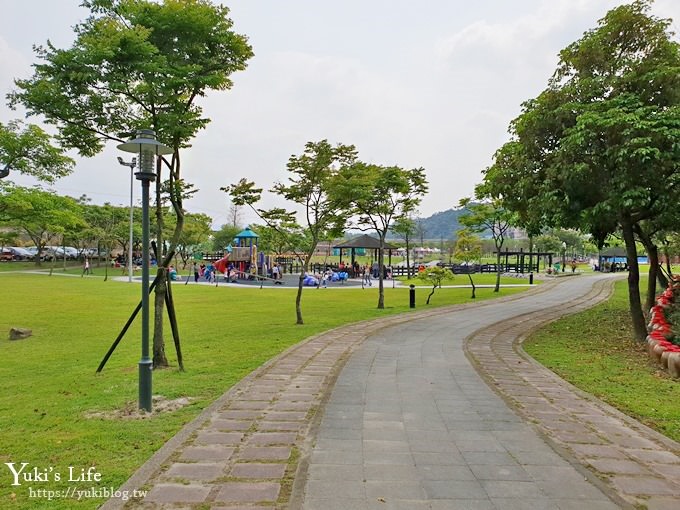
531,278
412,296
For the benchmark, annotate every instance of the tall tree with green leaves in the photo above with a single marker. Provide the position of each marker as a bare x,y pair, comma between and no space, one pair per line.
29,150
138,64
42,215
469,251
406,227
488,216
311,178
379,196
597,150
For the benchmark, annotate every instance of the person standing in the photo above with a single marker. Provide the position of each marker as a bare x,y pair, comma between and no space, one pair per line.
194,268
86,267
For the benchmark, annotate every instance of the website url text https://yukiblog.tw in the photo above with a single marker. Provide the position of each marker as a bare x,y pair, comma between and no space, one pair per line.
79,493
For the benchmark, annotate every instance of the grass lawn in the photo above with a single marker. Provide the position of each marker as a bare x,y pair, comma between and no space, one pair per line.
593,350
50,385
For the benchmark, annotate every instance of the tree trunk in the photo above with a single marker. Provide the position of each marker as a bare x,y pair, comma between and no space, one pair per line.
381,274
653,273
408,261
473,286
639,327
653,254
497,288
669,269
298,297
159,358
431,293
170,304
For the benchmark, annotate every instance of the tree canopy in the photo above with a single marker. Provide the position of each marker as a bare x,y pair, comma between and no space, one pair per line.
138,64
29,150
377,197
598,149
311,178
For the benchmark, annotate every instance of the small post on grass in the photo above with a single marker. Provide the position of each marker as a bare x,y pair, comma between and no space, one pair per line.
412,296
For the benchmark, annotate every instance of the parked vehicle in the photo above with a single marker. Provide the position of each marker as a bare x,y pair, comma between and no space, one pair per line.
6,255
20,253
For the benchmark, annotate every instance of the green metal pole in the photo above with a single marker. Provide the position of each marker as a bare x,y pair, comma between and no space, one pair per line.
145,364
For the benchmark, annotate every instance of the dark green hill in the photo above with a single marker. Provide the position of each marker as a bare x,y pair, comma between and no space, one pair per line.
441,225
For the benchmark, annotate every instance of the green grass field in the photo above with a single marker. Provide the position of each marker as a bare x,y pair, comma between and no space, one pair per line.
50,385
593,350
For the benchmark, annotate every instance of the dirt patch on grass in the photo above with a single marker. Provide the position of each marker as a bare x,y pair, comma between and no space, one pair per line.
131,411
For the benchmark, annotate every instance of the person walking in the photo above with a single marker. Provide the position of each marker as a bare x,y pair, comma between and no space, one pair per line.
86,267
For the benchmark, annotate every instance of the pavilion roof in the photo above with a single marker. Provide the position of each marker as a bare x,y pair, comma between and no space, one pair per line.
364,241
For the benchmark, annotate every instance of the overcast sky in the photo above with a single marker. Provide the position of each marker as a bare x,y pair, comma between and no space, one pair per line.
430,84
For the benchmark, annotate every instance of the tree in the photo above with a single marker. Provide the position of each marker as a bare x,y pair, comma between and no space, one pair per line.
468,250
234,215
138,64
224,237
310,182
488,216
279,238
378,197
42,215
406,228
597,150
29,151
434,275
195,232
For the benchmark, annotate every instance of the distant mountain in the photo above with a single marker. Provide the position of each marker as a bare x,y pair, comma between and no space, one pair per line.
441,225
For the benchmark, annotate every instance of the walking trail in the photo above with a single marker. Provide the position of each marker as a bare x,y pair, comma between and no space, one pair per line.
437,409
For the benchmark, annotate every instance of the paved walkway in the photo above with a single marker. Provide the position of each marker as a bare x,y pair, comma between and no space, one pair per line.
394,414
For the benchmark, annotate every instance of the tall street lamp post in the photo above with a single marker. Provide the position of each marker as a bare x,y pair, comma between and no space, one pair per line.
147,149
132,164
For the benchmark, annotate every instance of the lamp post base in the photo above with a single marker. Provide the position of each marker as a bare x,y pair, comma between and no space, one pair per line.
145,371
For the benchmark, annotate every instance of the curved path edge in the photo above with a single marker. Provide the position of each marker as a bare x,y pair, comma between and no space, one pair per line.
634,464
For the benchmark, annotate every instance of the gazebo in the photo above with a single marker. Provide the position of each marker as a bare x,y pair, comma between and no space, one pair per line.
522,264
367,242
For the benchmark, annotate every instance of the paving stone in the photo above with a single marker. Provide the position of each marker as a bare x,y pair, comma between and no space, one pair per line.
175,493
239,414
647,486
200,471
617,466
230,425
286,416
265,453
255,470
226,438
454,490
206,453
654,456
248,492
272,438
280,426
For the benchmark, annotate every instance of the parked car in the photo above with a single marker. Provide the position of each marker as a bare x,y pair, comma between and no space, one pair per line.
20,253
6,255
61,252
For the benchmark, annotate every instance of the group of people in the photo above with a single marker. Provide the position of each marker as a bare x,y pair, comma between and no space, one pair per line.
203,272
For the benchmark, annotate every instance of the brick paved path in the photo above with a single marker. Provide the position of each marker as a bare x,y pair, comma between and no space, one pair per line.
410,424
